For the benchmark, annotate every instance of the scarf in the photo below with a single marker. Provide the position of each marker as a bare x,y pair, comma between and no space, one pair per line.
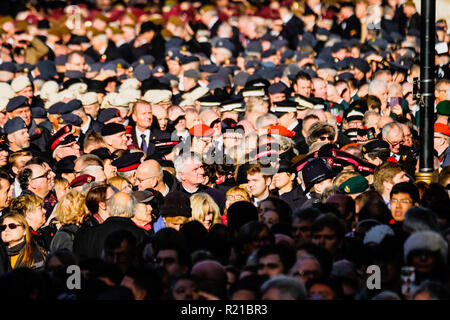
15,250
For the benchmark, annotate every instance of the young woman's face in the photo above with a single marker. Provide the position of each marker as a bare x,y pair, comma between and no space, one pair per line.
12,235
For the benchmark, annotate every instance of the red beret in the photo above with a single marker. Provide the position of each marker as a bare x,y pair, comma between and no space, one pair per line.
442,128
81,180
201,130
283,131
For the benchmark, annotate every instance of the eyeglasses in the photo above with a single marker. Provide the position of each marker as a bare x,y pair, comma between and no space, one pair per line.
394,143
323,138
402,201
11,226
139,180
268,265
45,175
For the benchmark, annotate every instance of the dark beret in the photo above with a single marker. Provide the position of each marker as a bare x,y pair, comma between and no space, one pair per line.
70,118
16,103
108,114
112,128
13,125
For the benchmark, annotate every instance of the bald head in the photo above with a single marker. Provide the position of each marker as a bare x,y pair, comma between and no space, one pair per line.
149,175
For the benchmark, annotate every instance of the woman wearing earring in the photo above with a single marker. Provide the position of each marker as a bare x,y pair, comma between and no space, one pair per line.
23,251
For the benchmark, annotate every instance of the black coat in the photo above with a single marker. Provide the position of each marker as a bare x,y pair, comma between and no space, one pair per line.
217,195
351,28
89,243
5,266
94,126
111,53
291,30
155,135
295,198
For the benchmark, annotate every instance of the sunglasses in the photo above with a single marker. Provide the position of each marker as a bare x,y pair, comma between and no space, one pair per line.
11,226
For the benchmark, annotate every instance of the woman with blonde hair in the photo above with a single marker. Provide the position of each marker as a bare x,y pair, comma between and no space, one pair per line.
70,212
23,251
121,184
205,210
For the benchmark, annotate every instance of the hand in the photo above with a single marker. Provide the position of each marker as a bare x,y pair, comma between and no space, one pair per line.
397,109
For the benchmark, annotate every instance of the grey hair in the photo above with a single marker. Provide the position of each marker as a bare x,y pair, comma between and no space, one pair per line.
91,170
263,120
289,287
375,85
181,160
388,127
369,113
119,209
127,174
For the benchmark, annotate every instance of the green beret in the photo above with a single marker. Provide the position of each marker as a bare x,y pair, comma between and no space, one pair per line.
443,108
356,184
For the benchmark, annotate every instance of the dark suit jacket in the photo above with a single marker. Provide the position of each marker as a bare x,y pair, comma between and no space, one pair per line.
111,53
351,28
155,135
94,126
90,241
291,30
295,198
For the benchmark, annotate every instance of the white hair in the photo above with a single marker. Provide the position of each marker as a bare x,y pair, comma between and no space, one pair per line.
265,120
376,85
121,208
388,127
180,161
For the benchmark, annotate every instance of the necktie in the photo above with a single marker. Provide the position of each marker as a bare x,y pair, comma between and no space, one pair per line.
144,143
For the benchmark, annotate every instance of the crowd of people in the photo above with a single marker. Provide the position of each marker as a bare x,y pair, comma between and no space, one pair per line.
220,150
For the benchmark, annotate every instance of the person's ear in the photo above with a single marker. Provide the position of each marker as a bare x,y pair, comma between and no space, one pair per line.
15,170
102,205
133,116
268,181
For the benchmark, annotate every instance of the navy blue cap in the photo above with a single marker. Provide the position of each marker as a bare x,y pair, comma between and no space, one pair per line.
8,66
47,69
96,67
338,46
209,68
142,72
38,113
277,87
60,60
241,78
279,43
225,43
360,64
55,108
109,66
159,69
112,128
69,106
108,114
103,153
74,74
66,165
70,118
25,67
252,64
147,59
217,84
129,161
14,124
254,46
188,59
315,171
268,53
268,73
345,76
16,103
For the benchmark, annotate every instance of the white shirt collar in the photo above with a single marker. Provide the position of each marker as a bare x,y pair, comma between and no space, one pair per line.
287,18
139,133
85,128
212,22
293,125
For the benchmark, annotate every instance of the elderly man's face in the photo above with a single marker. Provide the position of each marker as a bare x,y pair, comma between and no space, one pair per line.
193,173
117,141
383,95
306,269
24,113
395,139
